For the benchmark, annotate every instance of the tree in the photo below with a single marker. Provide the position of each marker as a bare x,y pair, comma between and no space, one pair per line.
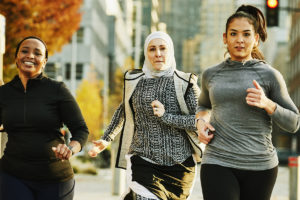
116,95
53,21
90,103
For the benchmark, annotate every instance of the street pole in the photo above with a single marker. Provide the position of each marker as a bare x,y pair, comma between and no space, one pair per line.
138,33
73,65
3,136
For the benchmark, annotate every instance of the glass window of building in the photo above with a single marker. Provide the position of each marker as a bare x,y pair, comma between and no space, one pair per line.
50,70
80,34
79,71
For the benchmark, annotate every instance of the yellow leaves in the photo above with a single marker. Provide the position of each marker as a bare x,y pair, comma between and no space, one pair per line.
90,103
53,21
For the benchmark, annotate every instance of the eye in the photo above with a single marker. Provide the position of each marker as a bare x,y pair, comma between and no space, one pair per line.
247,34
152,49
232,33
162,48
37,53
24,51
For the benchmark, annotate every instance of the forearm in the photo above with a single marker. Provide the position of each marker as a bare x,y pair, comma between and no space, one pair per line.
186,122
286,119
115,125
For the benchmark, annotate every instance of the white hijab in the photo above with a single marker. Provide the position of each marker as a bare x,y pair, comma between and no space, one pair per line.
148,69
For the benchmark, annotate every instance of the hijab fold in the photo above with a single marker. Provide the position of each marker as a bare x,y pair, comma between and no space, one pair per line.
148,69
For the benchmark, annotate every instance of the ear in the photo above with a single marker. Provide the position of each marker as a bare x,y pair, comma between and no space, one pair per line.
45,62
16,62
224,38
256,37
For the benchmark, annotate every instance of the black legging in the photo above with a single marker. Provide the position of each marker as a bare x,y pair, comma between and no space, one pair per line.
223,183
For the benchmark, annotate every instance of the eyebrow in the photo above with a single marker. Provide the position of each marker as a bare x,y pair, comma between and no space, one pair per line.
25,47
156,45
237,30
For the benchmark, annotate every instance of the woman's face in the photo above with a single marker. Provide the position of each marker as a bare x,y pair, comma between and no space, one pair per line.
240,39
31,57
157,53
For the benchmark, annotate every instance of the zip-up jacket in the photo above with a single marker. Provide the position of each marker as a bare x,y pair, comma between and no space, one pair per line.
32,119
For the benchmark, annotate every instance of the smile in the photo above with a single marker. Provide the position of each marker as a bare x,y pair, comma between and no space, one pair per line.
29,63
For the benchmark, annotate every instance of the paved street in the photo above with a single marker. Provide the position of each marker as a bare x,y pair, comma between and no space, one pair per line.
98,187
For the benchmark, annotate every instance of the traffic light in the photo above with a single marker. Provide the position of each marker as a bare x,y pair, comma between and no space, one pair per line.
272,12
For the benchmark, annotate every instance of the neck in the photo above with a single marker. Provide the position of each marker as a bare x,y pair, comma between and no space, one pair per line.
24,78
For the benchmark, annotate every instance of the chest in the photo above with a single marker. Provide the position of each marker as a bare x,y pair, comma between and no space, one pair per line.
148,90
231,85
35,106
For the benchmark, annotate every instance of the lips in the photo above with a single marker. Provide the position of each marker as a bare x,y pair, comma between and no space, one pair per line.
239,48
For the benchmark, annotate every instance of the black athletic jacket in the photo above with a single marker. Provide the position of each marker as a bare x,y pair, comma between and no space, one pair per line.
32,119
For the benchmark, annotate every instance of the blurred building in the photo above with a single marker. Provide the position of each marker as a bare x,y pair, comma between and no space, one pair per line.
182,19
293,75
214,14
102,43
146,20
191,54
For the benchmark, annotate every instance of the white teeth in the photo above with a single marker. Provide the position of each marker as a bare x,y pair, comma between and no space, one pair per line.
28,63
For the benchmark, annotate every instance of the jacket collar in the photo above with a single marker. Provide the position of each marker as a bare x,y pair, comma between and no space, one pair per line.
16,81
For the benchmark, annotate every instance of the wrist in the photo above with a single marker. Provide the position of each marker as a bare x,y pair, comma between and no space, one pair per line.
271,107
71,148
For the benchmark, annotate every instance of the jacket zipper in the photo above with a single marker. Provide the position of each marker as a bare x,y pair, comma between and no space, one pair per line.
24,106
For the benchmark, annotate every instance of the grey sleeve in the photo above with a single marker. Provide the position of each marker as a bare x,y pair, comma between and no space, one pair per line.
286,115
187,122
204,101
115,125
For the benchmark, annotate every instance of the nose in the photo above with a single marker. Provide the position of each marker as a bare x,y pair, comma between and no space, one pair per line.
30,55
158,53
240,38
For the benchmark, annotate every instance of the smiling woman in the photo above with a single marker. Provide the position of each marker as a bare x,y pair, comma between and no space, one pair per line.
31,58
33,109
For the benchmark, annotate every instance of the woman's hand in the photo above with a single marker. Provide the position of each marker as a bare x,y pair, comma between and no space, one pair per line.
62,152
256,97
98,146
158,108
204,130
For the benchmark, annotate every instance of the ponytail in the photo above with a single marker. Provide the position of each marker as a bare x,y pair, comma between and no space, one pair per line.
257,19
259,22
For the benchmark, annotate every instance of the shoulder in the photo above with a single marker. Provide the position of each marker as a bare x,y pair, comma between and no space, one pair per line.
211,70
133,74
188,77
54,84
268,71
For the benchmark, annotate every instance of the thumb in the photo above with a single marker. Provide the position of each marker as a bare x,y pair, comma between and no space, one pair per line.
54,149
256,84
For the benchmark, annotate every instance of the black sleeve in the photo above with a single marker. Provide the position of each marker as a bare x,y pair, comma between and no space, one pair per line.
71,115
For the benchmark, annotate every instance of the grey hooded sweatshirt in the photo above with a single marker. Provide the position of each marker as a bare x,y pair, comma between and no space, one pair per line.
242,137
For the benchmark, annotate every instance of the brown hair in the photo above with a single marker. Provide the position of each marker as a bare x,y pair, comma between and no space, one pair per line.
257,19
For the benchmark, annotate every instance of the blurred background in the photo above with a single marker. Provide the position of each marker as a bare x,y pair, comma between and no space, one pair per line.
93,42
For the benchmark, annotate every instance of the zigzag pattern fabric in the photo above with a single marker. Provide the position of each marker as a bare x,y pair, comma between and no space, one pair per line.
162,140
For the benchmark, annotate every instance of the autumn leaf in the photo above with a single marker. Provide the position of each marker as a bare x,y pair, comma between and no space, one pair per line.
90,103
52,21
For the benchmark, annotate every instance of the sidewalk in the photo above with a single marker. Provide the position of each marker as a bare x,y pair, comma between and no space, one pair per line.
98,187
